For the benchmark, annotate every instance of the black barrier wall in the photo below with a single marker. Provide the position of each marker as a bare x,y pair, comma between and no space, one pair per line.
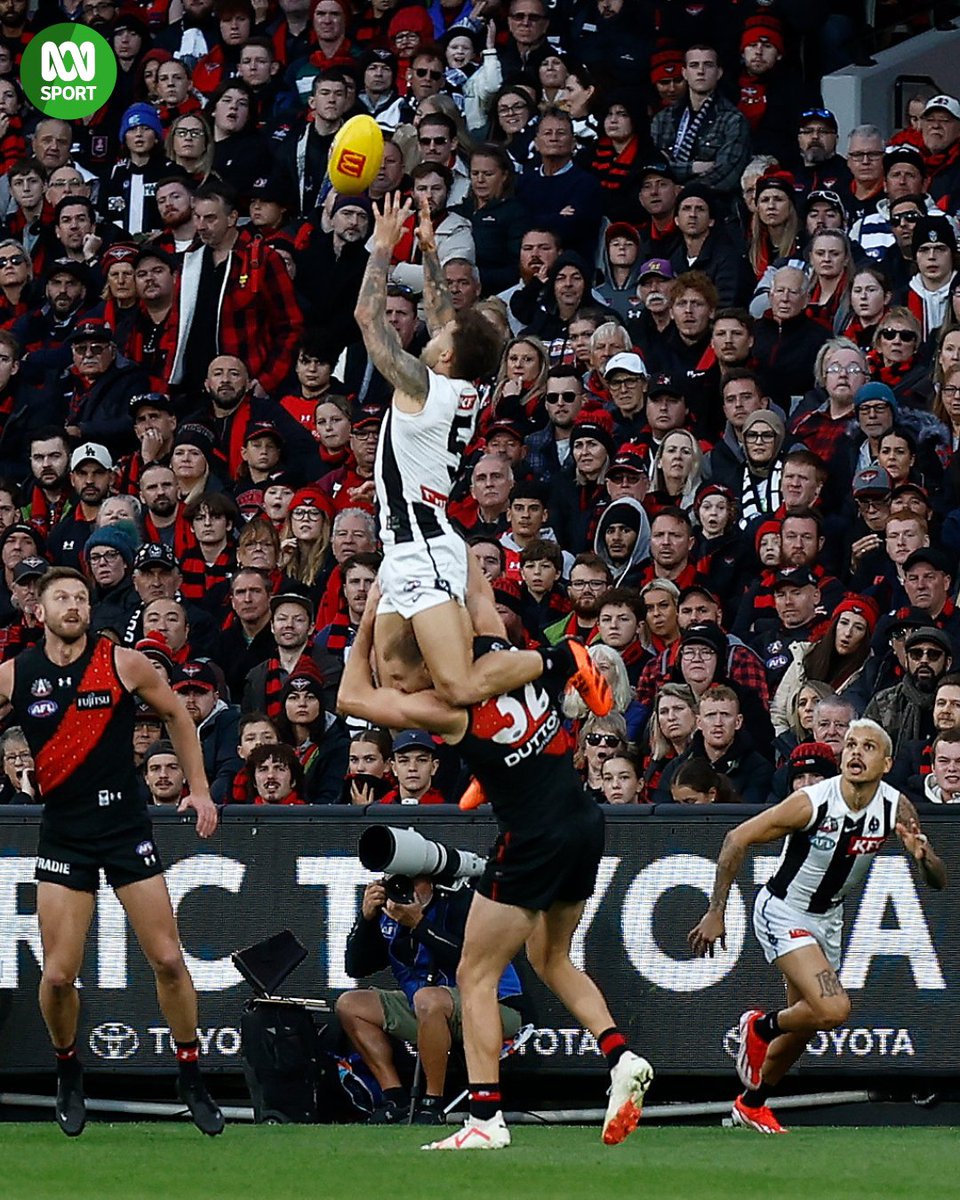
265,871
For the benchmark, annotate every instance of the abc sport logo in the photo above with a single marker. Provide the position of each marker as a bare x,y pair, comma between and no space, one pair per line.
68,71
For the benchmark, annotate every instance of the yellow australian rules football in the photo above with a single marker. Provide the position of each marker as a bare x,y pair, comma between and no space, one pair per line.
355,155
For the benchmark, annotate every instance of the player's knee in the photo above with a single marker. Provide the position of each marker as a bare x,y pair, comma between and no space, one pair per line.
168,965
58,978
833,1011
431,1002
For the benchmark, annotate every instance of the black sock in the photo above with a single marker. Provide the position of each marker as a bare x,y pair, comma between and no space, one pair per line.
67,1060
613,1046
767,1027
397,1096
431,1102
485,1101
188,1058
756,1097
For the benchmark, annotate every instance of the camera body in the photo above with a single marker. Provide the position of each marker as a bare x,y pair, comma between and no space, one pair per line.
399,889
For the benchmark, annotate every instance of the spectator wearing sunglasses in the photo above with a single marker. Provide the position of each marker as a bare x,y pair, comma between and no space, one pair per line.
906,709
903,177
599,739
895,358
897,261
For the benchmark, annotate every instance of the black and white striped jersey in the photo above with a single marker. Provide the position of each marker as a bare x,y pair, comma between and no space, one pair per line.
826,859
418,457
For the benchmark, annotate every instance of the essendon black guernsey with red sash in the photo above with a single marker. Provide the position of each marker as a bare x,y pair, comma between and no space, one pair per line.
78,722
517,748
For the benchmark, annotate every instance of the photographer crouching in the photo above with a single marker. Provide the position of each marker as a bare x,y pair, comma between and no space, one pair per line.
416,928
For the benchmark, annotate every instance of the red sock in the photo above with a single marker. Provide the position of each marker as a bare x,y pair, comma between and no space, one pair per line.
613,1045
65,1053
188,1053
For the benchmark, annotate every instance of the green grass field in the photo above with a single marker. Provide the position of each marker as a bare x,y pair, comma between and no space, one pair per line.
170,1162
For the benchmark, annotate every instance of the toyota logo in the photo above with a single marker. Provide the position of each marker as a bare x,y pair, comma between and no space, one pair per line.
114,1041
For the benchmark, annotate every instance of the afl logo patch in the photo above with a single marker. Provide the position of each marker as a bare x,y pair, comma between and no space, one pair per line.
43,708
41,687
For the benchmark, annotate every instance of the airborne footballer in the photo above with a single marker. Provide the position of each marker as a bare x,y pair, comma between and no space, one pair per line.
73,696
833,829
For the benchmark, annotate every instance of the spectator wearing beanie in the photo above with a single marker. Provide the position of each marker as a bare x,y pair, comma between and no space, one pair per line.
127,198
836,658
108,562
666,77
320,738
577,490
769,93
810,763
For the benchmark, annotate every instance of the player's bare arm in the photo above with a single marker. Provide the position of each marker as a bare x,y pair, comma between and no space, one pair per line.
769,826
140,676
437,304
917,844
359,696
6,682
407,374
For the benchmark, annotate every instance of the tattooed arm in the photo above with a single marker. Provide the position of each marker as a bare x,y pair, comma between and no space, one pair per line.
916,843
784,818
438,306
407,373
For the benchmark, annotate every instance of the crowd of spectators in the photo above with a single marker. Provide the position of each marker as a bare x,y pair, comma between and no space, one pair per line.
721,446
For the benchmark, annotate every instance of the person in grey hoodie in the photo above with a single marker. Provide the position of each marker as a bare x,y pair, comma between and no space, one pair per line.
619,267
623,540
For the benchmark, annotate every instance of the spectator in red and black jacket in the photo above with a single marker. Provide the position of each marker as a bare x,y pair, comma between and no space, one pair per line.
619,624
277,773
671,550
209,563
237,19
236,298
357,573
25,627
797,617
577,490
154,427
801,540
152,337
723,556
320,738
414,763
47,495
43,332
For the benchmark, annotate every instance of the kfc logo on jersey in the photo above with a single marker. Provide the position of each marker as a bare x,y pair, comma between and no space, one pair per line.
41,687
429,496
467,402
800,933
865,845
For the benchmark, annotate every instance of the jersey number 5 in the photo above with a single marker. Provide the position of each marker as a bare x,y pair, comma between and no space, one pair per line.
461,430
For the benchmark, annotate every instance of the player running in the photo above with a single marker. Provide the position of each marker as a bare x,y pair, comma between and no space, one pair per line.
541,873
73,695
833,830
430,422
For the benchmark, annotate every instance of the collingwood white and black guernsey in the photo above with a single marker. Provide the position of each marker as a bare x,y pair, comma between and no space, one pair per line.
826,859
418,456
